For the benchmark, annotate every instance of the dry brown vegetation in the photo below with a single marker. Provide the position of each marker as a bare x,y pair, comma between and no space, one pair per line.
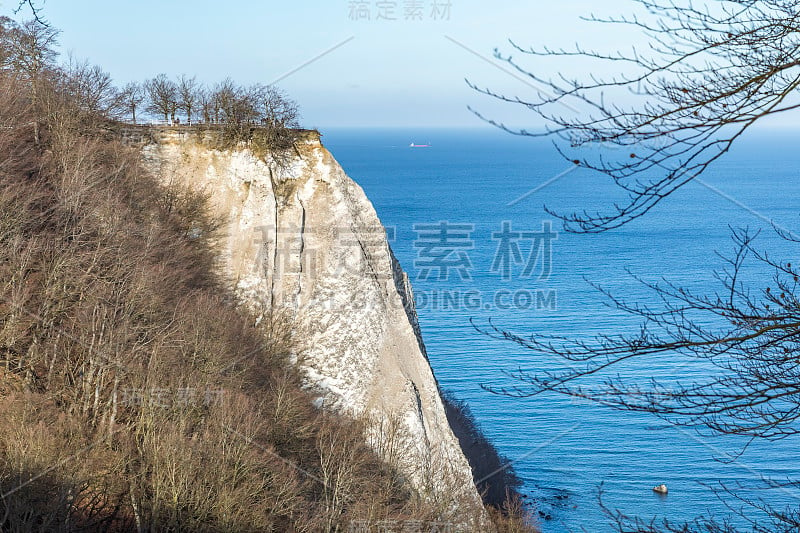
135,395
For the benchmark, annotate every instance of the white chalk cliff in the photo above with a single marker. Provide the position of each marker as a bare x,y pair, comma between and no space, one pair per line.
304,240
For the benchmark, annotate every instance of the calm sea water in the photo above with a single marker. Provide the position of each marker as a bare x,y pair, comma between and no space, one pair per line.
456,196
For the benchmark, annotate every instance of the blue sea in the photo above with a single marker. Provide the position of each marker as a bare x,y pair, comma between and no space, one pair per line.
467,222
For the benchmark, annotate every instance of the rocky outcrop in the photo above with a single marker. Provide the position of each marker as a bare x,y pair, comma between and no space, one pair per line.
303,239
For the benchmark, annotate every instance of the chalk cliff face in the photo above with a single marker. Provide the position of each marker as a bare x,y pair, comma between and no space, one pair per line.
302,239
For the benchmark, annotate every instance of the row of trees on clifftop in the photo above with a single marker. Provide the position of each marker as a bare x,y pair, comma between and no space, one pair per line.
29,51
225,102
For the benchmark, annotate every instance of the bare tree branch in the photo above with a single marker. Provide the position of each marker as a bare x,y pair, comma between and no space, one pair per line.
710,73
35,11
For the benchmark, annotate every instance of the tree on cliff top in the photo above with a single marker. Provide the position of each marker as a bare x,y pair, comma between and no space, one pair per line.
188,95
132,96
92,88
162,96
708,75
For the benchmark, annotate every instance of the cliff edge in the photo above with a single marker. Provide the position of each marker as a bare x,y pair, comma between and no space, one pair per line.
302,239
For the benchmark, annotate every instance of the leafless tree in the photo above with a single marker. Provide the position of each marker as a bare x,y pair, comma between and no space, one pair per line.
223,95
279,117
31,48
205,104
162,96
132,96
92,88
236,104
709,74
188,95
277,108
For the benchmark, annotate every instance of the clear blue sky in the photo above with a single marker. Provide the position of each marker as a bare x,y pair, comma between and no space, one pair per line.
402,72
391,73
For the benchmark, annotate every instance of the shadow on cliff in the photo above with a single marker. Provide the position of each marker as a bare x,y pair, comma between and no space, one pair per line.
493,474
